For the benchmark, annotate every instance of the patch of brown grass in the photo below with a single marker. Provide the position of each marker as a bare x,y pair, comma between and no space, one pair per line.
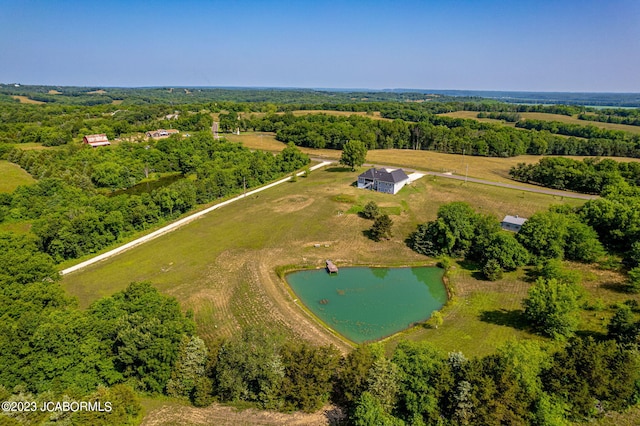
575,120
26,100
374,115
543,116
489,168
473,115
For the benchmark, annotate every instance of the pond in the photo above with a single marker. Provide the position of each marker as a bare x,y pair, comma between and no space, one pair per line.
148,186
366,304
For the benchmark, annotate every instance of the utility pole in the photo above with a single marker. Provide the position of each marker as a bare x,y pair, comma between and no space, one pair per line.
466,174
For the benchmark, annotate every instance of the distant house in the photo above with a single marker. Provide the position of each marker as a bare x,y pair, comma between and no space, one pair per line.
161,133
383,180
96,140
512,223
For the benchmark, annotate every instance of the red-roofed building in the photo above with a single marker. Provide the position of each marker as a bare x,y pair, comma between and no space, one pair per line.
96,140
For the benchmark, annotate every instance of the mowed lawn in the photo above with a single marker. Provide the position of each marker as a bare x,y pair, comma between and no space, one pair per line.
12,176
223,266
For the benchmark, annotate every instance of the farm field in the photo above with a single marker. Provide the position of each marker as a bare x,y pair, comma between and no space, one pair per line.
26,100
223,266
13,176
373,115
489,168
546,117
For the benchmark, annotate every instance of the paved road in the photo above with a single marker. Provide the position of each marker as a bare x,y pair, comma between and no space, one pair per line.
565,194
177,224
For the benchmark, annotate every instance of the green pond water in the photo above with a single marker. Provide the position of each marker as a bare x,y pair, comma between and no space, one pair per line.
365,304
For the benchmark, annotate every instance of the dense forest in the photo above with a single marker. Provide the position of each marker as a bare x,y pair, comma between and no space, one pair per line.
75,210
177,95
139,342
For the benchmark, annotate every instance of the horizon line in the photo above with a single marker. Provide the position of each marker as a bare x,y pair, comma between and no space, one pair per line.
326,89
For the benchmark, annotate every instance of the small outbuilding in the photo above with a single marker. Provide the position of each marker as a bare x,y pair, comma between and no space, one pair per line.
512,223
96,140
389,181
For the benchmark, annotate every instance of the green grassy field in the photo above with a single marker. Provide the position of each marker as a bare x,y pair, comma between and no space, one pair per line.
223,265
12,176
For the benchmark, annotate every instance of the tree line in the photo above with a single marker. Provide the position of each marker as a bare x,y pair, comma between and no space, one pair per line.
589,176
437,133
628,116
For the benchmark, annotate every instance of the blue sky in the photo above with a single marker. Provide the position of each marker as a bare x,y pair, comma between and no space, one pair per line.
559,45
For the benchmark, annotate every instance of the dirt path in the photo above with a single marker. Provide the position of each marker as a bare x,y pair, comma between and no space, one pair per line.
214,130
220,415
177,224
290,309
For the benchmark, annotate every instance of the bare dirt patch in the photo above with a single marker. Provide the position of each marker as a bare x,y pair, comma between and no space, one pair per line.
291,203
172,414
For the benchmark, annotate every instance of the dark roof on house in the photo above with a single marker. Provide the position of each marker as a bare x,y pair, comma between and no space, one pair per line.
382,175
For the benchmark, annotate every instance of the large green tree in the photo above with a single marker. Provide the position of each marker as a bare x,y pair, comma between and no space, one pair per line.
250,368
553,307
543,234
507,251
354,153
309,375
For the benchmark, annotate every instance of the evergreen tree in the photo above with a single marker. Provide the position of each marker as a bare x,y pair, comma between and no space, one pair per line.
381,228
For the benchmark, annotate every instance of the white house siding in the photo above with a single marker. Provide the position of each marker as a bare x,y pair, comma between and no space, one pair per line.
398,186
